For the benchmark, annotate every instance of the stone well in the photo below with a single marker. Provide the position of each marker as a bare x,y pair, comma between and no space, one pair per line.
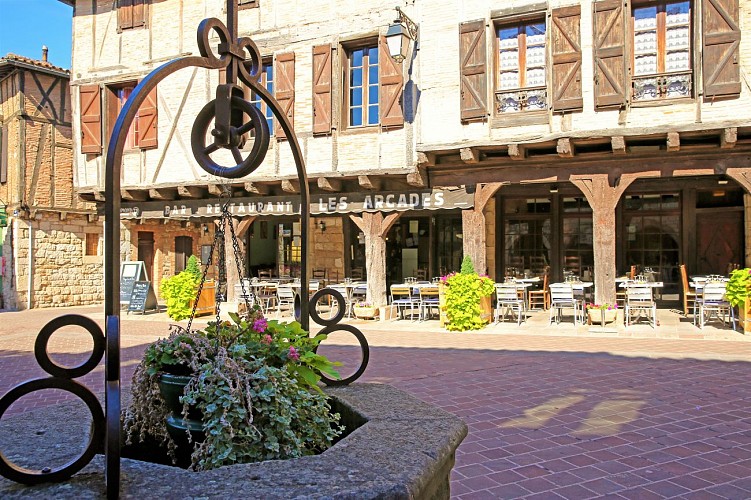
404,449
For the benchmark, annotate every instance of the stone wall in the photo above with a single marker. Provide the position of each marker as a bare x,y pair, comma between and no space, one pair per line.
61,273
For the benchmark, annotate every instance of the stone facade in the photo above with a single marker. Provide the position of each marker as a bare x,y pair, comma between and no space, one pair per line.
44,246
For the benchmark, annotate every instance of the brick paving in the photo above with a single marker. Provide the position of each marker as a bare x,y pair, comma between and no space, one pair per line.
553,411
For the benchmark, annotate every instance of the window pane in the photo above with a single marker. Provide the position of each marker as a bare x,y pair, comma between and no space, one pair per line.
373,75
373,114
373,94
535,34
355,79
373,55
645,18
355,117
357,58
355,97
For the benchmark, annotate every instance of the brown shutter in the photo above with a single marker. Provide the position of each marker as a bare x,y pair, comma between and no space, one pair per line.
139,13
91,119
567,58
284,89
474,84
124,14
322,89
147,122
609,21
391,80
722,37
3,154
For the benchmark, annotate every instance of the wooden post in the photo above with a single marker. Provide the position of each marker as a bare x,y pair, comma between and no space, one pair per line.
603,198
375,227
473,226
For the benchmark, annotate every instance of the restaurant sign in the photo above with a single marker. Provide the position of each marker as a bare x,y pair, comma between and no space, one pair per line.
321,204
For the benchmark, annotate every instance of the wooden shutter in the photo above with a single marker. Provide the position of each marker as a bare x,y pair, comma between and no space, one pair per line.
139,13
124,14
147,122
284,89
91,119
3,154
721,41
391,81
474,85
322,89
609,49
567,58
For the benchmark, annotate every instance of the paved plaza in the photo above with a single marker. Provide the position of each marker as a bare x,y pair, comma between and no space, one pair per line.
553,411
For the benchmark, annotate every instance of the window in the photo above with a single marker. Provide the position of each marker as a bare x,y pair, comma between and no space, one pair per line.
92,244
267,80
362,87
521,67
123,94
183,251
662,50
131,14
143,131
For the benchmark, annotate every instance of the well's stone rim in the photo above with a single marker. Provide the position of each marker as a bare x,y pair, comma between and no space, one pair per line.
405,449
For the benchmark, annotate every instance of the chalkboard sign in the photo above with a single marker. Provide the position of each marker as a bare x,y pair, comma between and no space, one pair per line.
130,272
142,298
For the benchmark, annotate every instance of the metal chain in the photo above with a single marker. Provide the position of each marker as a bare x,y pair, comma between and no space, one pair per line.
222,271
239,259
203,280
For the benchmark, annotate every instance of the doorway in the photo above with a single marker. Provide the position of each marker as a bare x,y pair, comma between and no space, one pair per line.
146,252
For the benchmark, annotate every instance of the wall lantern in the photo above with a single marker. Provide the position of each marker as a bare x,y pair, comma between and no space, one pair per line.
322,225
399,35
554,188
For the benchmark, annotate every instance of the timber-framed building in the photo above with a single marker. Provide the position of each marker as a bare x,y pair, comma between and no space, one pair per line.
586,136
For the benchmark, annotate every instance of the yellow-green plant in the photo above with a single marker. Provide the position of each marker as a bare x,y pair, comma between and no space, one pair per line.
463,293
179,290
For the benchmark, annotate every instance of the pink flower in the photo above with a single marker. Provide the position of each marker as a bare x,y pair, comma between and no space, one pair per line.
260,325
293,354
266,339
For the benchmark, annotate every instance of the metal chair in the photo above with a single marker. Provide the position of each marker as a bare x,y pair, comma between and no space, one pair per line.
401,297
639,300
713,303
345,292
507,300
428,301
562,297
285,296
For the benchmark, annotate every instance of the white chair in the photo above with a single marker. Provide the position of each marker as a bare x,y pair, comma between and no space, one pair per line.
507,300
562,297
285,296
639,301
428,301
713,303
345,292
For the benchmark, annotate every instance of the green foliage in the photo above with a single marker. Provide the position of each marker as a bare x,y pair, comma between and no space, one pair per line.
193,268
463,294
739,286
467,266
179,290
256,382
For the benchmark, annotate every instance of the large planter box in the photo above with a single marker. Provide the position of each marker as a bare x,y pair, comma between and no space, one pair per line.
207,299
486,309
365,312
744,316
596,316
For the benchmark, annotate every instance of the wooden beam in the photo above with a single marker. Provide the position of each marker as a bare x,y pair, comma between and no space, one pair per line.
244,225
425,159
469,155
216,189
99,196
674,141
728,138
618,143
289,186
418,178
330,184
163,193
255,188
134,195
516,152
564,148
369,183
190,191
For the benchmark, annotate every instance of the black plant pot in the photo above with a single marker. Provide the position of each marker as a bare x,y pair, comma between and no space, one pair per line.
172,387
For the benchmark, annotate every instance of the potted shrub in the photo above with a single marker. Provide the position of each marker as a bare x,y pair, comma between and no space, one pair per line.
180,290
602,313
365,310
738,292
467,298
251,384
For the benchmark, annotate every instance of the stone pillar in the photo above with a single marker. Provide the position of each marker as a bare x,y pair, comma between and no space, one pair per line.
603,199
473,226
375,226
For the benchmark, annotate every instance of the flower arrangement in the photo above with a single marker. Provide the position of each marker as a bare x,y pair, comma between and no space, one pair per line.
255,383
602,307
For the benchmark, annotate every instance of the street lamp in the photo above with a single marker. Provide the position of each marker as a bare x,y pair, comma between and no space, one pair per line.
399,35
